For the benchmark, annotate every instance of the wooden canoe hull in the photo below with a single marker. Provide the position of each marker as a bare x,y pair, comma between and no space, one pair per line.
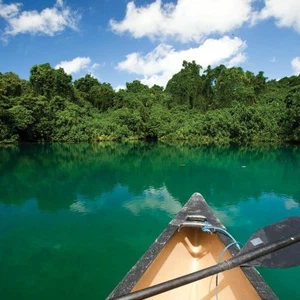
176,253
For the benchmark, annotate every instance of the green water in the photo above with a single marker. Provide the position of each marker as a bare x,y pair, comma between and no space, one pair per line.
75,217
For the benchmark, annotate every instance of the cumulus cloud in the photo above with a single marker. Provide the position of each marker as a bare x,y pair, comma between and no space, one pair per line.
9,10
296,65
47,22
286,13
158,66
77,65
187,20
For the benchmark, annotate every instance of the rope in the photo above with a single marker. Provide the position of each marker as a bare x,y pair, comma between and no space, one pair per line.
207,229
220,259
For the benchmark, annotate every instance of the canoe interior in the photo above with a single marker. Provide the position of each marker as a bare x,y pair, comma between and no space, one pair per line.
188,251
176,253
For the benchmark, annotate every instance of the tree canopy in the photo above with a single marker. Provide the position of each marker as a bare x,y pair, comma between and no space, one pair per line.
215,105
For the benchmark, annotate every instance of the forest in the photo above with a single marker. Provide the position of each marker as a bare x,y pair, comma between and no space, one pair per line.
213,106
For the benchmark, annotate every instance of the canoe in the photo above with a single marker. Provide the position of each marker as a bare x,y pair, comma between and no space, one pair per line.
183,248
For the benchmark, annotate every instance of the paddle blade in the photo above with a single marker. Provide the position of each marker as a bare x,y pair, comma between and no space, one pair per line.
283,258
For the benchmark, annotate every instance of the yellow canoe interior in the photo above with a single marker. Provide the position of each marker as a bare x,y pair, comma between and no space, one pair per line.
188,251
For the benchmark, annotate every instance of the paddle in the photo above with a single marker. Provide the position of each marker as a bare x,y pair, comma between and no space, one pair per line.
274,246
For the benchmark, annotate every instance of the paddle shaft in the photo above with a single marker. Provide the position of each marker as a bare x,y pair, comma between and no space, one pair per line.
224,266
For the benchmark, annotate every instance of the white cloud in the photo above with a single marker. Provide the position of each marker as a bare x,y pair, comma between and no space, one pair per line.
286,13
96,66
296,65
48,22
9,10
119,87
158,66
187,20
77,64
236,60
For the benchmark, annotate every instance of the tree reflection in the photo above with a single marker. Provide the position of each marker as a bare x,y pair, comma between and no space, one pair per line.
55,174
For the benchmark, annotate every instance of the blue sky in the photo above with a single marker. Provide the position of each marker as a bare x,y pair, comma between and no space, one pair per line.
118,41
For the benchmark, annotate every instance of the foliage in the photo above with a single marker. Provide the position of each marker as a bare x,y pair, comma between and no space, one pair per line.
217,105
10,85
185,87
292,118
46,81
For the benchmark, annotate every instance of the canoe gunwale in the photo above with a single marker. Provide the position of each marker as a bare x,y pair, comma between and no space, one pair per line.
195,206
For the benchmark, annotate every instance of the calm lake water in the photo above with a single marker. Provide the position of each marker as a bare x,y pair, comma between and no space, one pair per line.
75,217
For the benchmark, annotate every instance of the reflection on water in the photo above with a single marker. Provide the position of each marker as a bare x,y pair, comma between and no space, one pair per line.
290,204
59,175
150,199
67,209
154,199
257,212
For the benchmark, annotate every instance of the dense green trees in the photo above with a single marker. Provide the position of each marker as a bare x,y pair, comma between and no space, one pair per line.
185,87
292,117
216,105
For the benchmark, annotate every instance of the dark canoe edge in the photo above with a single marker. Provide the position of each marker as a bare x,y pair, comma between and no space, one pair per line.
195,206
